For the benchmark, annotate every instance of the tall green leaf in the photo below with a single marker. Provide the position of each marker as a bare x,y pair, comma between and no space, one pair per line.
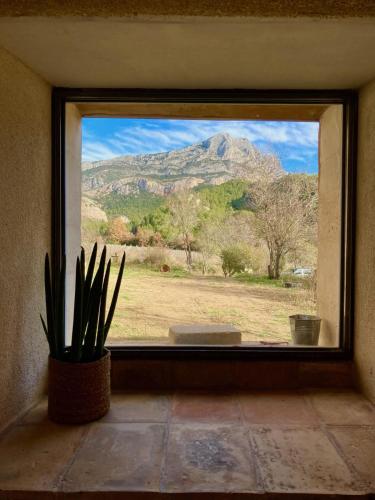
90,325
60,309
50,306
114,298
94,305
87,288
48,336
82,261
101,332
76,349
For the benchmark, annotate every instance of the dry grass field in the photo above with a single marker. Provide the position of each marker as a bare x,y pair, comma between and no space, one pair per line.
150,301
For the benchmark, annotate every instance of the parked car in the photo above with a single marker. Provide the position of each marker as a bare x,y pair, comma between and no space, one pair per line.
303,271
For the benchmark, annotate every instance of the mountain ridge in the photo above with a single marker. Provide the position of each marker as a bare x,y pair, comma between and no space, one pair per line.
213,161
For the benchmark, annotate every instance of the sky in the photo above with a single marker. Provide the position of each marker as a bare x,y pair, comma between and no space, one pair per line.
295,143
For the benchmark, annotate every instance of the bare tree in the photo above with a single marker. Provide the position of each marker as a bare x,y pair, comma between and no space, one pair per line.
206,240
284,215
263,165
222,234
184,208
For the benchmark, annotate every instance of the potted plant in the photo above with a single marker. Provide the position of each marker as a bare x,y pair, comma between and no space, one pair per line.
305,329
79,374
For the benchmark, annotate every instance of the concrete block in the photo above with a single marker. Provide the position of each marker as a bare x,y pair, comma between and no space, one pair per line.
221,334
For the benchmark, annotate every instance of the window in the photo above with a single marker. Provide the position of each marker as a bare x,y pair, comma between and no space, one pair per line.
234,209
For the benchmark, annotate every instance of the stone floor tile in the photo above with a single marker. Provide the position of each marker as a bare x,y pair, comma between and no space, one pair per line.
122,457
33,457
37,414
342,407
32,495
138,407
208,457
358,446
277,408
300,460
205,407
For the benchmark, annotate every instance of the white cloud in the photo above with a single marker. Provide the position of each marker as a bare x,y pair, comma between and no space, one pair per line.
296,141
93,151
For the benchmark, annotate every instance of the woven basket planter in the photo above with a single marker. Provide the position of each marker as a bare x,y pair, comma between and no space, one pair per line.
78,392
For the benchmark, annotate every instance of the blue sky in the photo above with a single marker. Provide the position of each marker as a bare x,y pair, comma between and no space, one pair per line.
296,143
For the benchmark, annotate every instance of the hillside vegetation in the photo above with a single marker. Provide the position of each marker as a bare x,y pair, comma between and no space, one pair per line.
221,197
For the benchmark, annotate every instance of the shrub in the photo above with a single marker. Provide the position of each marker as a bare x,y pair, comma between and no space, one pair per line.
203,267
156,256
142,236
118,232
237,258
145,237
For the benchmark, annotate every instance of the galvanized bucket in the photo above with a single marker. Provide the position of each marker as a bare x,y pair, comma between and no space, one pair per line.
305,329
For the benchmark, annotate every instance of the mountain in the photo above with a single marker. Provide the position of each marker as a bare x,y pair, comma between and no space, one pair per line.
213,161
91,210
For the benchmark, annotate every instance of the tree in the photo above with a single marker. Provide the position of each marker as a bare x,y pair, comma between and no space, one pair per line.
236,259
285,215
160,223
118,232
184,208
143,236
207,242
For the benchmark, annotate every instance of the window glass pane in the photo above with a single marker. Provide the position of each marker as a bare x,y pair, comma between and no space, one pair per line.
231,227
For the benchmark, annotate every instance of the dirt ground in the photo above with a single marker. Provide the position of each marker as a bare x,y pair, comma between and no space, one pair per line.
151,301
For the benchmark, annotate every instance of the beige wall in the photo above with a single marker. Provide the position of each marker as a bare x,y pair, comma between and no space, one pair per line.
73,138
328,270
25,233
219,8
365,249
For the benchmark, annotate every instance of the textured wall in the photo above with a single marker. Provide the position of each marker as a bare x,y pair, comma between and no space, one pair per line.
219,8
200,53
73,138
328,274
25,232
365,250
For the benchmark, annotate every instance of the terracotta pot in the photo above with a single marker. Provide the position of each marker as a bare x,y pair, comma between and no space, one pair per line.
78,392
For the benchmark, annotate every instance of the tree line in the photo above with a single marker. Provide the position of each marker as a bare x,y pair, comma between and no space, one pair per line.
273,219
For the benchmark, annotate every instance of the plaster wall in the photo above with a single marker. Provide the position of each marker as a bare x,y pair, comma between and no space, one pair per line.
218,9
329,244
73,140
365,247
203,53
25,233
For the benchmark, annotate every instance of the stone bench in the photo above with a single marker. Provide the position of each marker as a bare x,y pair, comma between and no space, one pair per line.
222,334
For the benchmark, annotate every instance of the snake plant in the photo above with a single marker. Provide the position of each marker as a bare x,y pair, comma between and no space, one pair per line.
91,324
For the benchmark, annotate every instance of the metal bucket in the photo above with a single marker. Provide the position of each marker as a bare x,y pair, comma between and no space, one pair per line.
305,329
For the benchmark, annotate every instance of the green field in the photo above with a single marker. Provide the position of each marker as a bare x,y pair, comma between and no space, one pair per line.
150,301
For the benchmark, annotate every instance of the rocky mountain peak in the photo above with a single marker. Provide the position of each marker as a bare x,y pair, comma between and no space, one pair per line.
215,160
227,147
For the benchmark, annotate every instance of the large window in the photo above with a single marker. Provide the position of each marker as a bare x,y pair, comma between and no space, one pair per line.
234,210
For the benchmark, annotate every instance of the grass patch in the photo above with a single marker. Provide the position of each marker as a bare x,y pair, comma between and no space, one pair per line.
151,301
134,270
176,272
253,279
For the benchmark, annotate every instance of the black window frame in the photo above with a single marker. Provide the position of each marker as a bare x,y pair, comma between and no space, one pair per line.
347,98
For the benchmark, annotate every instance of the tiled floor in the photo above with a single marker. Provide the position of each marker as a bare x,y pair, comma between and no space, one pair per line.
259,444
